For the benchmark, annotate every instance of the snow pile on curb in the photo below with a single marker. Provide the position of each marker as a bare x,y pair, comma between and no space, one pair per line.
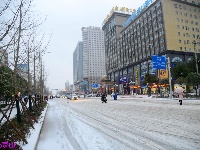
35,133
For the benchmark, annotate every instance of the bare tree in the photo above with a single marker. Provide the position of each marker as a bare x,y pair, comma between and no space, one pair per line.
18,35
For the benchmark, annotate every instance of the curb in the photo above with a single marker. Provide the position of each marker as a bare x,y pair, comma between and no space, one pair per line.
36,144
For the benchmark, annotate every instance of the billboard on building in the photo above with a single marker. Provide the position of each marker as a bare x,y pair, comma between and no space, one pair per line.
123,80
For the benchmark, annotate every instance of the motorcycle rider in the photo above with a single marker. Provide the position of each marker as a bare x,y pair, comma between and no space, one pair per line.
103,97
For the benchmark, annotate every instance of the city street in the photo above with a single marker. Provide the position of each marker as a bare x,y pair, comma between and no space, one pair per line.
124,124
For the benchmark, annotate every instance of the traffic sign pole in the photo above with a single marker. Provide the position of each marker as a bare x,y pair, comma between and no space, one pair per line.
170,78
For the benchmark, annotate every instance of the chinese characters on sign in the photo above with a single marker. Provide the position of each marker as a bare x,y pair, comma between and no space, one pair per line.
118,9
138,11
7,145
123,80
136,76
159,62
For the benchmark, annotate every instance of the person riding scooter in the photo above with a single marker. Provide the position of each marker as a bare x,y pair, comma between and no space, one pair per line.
103,98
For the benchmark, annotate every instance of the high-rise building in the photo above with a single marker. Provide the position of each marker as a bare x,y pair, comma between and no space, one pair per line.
78,65
159,27
67,86
93,55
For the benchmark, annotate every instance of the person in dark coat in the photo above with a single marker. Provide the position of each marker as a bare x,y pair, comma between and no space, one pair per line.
103,97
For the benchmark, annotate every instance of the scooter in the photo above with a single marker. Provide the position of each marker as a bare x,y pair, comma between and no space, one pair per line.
104,100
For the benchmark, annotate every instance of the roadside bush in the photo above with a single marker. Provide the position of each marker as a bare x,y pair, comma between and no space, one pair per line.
7,132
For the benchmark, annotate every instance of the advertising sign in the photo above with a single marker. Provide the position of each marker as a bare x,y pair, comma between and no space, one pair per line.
159,62
123,80
163,74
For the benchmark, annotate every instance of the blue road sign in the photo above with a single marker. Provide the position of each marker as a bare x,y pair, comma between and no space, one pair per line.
123,80
159,62
95,85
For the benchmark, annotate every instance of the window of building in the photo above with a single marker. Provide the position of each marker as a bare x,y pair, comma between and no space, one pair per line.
177,19
179,41
192,29
191,22
190,15
175,5
181,48
179,33
196,23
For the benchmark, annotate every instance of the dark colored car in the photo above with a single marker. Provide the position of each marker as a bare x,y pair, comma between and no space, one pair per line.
46,98
98,95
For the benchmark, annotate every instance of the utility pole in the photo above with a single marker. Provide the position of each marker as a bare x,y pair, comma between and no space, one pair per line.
170,78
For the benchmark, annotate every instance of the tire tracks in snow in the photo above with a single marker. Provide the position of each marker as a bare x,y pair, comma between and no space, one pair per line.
130,137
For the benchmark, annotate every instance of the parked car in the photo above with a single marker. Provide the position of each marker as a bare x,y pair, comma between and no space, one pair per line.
90,95
46,97
98,95
74,97
57,96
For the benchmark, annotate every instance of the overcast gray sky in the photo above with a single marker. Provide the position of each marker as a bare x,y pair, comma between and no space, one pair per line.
65,20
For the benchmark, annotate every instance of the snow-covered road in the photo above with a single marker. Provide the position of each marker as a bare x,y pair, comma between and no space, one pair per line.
125,124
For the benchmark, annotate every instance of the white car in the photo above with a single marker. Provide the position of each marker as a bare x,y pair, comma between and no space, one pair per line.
74,97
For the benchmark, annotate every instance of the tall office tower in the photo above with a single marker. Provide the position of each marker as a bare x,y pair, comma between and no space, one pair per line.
67,85
93,55
78,65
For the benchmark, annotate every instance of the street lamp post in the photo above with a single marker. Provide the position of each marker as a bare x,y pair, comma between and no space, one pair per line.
170,78
194,42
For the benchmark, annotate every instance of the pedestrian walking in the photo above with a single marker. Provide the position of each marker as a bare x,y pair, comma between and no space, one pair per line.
180,90
180,97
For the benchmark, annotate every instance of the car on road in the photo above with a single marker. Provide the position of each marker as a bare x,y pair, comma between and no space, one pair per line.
58,96
74,97
90,95
68,96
